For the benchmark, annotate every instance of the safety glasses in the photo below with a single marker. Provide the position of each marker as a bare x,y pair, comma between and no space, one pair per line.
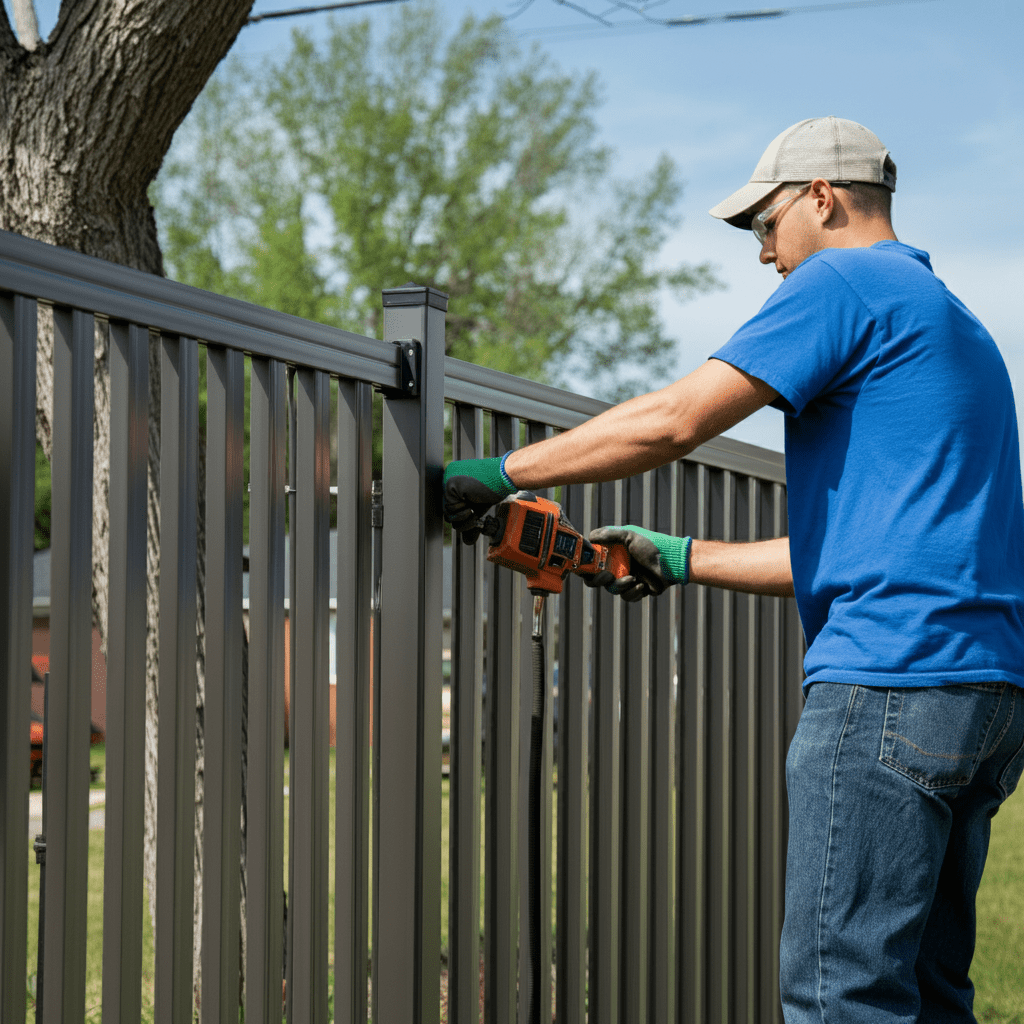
759,223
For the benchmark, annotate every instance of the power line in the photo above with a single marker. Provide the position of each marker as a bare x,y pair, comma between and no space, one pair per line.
641,11
692,21
294,11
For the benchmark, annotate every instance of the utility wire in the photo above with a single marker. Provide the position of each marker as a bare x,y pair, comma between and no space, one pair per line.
780,12
689,21
315,10
640,10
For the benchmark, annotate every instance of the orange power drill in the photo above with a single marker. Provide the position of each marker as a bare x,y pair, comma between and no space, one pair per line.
532,536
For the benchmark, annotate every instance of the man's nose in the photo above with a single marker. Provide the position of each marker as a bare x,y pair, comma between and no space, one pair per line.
767,253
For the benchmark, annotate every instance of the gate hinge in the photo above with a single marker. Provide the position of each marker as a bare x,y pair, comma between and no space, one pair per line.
408,371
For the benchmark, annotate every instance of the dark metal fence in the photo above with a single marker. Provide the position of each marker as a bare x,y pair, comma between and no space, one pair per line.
667,846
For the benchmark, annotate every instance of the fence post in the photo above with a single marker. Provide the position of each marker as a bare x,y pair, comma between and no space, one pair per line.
407,844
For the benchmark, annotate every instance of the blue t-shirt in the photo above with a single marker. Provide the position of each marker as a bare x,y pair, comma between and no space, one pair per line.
906,517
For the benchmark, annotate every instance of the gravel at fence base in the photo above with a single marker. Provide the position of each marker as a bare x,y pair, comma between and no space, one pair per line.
97,801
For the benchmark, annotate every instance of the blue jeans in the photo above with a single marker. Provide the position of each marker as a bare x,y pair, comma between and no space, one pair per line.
891,796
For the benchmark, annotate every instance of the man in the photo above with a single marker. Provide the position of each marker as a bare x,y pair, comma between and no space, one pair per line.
905,554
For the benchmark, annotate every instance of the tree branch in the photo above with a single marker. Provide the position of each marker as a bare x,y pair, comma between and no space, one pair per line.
9,46
26,23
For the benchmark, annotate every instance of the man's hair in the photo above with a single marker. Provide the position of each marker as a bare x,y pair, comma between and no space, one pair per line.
870,200
865,198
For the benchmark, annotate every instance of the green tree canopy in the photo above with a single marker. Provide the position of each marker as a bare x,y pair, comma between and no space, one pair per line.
451,159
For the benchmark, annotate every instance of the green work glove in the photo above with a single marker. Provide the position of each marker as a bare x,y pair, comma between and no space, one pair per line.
471,487
656,561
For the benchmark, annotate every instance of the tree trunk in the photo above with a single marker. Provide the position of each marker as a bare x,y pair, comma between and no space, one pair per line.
86,119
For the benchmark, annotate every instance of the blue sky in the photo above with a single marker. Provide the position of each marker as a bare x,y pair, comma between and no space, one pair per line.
938,81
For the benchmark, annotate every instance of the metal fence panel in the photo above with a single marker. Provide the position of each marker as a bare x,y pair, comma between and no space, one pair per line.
673,716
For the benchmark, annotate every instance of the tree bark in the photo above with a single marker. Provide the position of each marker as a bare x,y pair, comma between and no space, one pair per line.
86,118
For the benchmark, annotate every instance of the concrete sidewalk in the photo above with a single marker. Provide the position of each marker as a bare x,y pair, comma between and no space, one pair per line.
97,801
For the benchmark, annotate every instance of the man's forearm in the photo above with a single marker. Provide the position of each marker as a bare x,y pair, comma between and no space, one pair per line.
625,440
644,432
757,567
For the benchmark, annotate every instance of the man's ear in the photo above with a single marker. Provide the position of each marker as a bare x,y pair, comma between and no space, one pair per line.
824,199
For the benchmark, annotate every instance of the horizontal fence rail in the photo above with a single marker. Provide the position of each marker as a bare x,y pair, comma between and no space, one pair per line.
243,452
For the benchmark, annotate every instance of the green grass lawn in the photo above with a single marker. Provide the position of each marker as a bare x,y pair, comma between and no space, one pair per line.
997,968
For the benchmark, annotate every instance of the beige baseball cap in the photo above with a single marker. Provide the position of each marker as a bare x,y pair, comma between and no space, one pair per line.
820,147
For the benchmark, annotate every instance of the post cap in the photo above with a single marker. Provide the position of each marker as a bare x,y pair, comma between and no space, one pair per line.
411,294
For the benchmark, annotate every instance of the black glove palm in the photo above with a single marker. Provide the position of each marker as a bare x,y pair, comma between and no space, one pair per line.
656,560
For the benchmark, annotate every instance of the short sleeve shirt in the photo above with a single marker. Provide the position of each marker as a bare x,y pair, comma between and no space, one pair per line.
906,515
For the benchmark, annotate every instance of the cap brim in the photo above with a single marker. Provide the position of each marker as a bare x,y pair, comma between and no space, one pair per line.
736,209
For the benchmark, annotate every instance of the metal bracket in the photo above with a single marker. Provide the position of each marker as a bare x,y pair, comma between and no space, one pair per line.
409,371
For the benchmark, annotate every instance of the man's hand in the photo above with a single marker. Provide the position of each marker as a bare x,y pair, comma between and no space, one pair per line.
656,561
471,487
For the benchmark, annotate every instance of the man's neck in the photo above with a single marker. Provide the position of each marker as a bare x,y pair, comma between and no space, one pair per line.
861,234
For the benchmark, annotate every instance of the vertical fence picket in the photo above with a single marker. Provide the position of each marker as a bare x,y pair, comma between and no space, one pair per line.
352,702
605,790
769,773
466,724
536,432
223,709
265,727
573,757
721,703
745,819
17,493
692,744
290,644
176,743
126,672
67,811
636,790
502,796
310,626
792,696
663,668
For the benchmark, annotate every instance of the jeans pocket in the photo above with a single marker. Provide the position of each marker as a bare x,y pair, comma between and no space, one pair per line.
936,736
1014,768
